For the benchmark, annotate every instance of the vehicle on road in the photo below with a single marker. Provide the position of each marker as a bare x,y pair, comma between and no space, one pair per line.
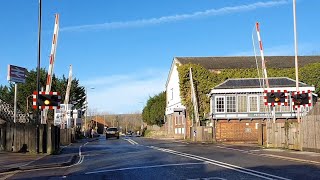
129,133
112,132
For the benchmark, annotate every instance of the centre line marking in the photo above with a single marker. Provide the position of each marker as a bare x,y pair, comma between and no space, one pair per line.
131,141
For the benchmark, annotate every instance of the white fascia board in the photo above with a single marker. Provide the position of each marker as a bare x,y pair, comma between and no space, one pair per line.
255,90
174,62
170,109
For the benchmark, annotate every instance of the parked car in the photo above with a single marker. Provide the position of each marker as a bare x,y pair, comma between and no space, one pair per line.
129,133
112,132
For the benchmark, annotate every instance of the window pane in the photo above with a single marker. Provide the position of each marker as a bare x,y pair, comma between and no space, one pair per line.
263,108
220,104
242,103
253,100
286,108
231,104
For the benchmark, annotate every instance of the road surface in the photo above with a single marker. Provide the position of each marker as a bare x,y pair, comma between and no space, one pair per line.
143,158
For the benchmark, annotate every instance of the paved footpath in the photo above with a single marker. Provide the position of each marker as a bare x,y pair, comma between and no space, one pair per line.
10,162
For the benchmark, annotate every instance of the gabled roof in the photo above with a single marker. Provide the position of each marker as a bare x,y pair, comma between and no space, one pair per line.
243,62
255,83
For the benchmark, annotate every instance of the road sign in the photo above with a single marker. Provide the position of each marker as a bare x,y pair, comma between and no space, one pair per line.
16,74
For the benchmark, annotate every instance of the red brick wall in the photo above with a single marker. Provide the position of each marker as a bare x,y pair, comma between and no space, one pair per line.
235,130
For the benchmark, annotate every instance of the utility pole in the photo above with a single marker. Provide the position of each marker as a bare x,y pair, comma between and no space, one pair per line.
38,75
194,98
296,54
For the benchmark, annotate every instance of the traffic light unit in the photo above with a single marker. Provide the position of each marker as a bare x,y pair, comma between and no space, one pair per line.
47,100
301,99
272,98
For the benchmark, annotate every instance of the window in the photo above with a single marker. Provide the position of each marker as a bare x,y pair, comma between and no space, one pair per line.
286,108
231,104
176,120
263,107
277,108
253,103
242,103
171,93
219,104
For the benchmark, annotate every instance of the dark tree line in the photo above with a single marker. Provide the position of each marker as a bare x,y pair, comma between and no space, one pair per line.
153,112
25,91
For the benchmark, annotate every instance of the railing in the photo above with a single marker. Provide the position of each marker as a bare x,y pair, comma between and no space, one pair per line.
6,113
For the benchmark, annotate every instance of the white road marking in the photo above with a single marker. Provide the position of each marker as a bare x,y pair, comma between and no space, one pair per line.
209,178
251,152
131,141
222,164
222,147
145,167
289,158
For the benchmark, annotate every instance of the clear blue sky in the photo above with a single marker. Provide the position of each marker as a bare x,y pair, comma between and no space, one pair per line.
124,49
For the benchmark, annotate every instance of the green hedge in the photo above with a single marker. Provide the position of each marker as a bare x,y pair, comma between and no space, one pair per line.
204,81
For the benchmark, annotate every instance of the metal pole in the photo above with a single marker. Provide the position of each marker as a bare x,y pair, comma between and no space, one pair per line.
296,53
15,103
185,124
38,75
28,104
97,122
85,117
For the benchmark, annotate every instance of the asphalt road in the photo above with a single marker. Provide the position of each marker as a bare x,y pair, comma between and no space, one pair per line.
141,158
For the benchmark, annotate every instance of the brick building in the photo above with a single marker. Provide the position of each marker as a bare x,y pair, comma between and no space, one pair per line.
238,107
177,124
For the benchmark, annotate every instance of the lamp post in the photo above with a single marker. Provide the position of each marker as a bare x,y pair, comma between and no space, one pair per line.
86,115
141,121
28,102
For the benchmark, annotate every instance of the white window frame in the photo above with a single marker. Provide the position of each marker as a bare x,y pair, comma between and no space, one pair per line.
235,103
171,93
257,103
246,98
224,104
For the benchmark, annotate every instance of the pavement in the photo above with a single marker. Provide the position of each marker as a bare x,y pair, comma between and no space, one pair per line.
10,161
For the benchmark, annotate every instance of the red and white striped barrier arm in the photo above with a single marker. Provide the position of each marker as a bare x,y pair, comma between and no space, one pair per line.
53,53
262,55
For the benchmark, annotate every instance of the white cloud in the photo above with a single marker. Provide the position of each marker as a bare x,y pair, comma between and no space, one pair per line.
125,93
282,50
177,17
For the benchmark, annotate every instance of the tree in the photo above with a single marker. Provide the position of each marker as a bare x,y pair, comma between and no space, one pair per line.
153,112
26,90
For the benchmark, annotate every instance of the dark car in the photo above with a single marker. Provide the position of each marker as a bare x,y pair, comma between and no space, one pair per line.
112,132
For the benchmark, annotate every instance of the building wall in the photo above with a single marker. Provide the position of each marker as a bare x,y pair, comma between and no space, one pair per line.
238,131
176,130
173,91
